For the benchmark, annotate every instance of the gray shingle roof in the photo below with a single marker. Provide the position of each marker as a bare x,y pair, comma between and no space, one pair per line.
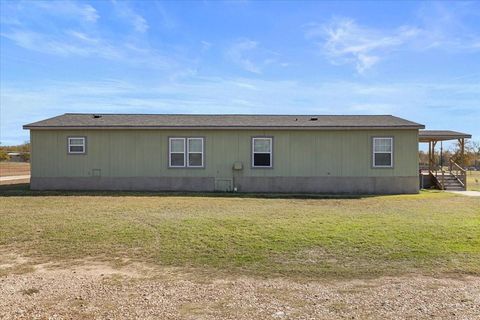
178,121
441,135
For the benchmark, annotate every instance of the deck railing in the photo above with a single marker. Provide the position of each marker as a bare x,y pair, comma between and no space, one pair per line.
458,172
438,177
454,169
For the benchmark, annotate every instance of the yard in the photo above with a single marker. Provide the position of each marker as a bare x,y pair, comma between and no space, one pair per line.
283,251
473,180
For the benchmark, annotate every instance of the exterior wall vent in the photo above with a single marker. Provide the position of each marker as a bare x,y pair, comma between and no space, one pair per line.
313,119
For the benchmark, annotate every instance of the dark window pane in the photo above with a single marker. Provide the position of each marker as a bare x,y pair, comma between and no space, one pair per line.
76,148
261,160
177,159
383,159
195,159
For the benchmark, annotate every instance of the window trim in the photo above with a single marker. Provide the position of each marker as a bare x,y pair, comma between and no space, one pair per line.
188,151
170,152
185,152
391,153
84,138
253,166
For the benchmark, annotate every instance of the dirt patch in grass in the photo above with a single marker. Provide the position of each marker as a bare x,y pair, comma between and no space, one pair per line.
13,263
11,260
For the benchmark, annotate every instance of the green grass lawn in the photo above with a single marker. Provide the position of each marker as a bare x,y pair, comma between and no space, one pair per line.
473,180
433,232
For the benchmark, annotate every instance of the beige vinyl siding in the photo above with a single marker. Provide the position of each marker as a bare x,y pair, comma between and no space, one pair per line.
144,153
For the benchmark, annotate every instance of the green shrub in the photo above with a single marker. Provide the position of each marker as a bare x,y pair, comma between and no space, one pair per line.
4,156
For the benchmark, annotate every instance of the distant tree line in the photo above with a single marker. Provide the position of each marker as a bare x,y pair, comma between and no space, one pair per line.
471,158
23,149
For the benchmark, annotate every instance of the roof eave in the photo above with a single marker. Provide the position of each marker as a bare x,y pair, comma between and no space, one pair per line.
410,127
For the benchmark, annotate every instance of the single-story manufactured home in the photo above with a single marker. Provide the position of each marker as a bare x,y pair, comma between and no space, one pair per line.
363,154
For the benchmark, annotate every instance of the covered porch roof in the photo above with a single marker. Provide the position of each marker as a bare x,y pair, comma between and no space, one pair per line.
456,170
441,135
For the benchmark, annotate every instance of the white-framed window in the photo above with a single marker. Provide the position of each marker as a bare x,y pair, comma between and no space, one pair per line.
195,152
186,152
176,154
76,145
382,152
262,152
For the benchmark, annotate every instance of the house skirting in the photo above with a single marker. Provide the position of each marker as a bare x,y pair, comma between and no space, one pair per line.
335,185
328,185
124,183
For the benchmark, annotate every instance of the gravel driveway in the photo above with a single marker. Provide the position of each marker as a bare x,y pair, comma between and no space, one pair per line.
97,291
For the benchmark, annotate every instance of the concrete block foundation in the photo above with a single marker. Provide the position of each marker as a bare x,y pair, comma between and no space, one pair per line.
326,185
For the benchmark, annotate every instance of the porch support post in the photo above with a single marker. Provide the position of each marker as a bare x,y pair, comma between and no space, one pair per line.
429,156
432,155
441,155
462,151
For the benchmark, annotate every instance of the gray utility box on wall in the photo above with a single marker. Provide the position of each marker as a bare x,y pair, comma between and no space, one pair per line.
238,165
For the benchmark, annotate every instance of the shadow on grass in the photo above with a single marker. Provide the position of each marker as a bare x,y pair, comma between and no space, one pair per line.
23,190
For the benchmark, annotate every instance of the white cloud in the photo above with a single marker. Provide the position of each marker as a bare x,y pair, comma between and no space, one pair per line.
40,26
163,17
252,57
205,45
239,51
446,26
73,43
67,44
82,36
140,23
344,41
67,8
438,26
125,12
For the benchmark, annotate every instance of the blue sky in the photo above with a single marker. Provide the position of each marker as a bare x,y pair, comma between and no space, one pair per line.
418,60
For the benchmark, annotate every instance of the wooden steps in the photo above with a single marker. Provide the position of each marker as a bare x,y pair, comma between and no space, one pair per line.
450,182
